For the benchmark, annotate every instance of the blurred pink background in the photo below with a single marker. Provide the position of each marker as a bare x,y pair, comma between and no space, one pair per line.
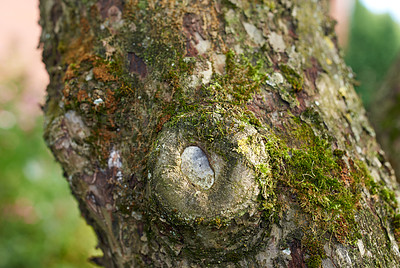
20,61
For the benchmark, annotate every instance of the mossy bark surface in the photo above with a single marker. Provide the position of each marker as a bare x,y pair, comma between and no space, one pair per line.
283,169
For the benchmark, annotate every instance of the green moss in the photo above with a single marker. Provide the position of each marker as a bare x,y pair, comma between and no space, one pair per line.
339,153
387,201
295,79
249,117
230,91
313,247
240,82
396,227
325,188
234,257
314,261
142,5
388,195
326,184
384,199
271,5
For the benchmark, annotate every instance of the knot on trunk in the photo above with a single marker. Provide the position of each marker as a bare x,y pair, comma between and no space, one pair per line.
202,177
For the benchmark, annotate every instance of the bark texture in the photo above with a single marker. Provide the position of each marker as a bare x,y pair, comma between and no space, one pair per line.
215,133
385,116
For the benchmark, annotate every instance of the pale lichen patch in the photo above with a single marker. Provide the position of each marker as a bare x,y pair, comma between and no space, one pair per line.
277,42
219,63
343,256
254,33
203,45
77,129
206,74
114,159
361,248
275,79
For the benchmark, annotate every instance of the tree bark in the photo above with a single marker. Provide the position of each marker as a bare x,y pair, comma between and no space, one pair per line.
385,116
215,133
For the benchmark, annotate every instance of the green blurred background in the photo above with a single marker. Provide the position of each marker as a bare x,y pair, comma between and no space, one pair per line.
40,225
374,43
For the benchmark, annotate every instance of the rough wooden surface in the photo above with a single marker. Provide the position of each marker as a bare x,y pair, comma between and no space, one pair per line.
261,88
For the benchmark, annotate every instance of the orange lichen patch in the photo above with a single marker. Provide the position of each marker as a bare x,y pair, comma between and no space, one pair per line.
82,96
343,229
344,176
80,48
162,122
397,234
100,69
101,73
66,91
73,68
104,142
110,102
70,73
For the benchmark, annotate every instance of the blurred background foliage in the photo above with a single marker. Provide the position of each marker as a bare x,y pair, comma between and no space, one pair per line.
374,43
40,224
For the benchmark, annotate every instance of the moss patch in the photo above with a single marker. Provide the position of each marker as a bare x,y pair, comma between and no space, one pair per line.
230,91
238,84
314,248
387,201
396,227
324,185
295,79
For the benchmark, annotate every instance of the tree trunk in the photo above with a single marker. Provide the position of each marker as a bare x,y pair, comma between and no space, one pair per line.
385,116
215,133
